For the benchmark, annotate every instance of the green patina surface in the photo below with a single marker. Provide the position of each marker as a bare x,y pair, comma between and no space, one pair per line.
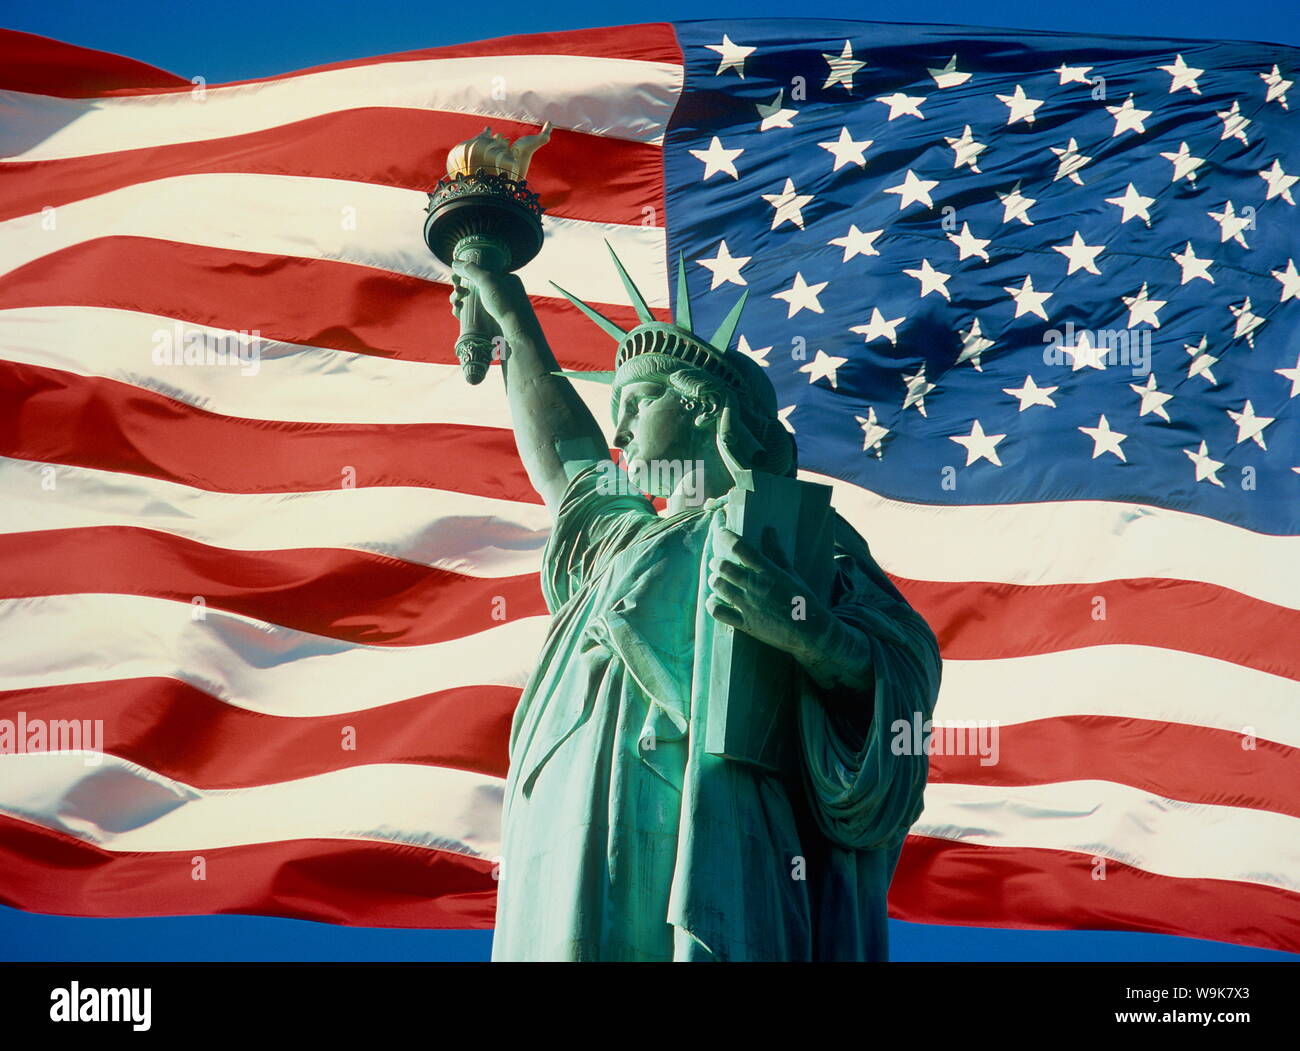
623,838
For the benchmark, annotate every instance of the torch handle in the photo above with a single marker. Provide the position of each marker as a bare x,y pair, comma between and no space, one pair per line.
478,329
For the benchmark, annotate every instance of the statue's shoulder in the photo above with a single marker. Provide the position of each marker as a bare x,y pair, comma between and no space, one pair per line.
856,565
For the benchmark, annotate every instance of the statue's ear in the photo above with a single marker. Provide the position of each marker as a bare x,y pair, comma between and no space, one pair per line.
707,415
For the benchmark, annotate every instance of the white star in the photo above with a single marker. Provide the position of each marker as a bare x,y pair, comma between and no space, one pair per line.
784,416
1193,267
901,105
759,356
1249,425
1071,160
802,296
1084,354
1021,106
725,266
1133,205
1201,361
843,66
788,204
1031,394
978,444
1290,281
913,190
856,242
1027,300
873,433
917,388
878,326
846,151
1231,225
1104,440
1153,400
773,114
1080,255
1206,469
1276,87
1279,182
1184,163
1016,206
1293,375
973,344
1184,76
1234,124
1141,308
968,244
932,280
1128,117
1246,323
965,147
823,366
950,76
733,56
1072,74
718,158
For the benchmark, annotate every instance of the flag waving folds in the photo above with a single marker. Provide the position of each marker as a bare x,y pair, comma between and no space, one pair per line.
269,586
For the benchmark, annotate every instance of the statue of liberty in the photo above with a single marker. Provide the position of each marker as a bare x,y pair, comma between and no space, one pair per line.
623,837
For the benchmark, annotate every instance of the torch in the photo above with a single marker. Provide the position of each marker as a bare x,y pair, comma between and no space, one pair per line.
483,212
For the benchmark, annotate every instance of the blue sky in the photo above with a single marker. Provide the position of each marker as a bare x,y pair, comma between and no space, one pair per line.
238,39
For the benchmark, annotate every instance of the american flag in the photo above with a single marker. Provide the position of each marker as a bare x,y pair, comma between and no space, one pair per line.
1029,304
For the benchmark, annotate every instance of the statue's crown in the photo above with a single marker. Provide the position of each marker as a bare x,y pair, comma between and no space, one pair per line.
677,339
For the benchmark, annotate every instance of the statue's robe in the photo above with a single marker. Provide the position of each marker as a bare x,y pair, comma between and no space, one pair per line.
622,838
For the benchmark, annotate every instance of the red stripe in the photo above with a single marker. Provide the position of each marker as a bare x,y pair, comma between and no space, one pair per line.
942,881
41,66
50,67
56,417
182,732
314,302
374,599
356,596
577,176
333,881
977,620
1197,764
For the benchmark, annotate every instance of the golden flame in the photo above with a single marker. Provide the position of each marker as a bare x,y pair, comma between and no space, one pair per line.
492,152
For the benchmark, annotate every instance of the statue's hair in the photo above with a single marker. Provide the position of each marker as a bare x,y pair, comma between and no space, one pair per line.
777,452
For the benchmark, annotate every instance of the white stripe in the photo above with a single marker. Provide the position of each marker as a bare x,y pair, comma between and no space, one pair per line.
1067,542
1100,818
352,222
273,380
1122,681
62,639
441,528
619,98
474,535
123,807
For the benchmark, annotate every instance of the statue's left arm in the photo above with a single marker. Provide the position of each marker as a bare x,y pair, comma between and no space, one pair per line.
870,665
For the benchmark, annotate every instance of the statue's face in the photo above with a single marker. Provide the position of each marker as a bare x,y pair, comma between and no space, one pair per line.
657,436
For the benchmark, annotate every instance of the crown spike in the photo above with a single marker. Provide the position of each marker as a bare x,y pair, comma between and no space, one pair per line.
594,375
638,300
722,338
683,317
595,315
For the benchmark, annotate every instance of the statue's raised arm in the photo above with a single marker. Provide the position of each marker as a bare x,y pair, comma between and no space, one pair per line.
556,433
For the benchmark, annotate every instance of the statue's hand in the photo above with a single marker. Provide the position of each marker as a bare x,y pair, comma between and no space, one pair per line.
766,598
502,295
